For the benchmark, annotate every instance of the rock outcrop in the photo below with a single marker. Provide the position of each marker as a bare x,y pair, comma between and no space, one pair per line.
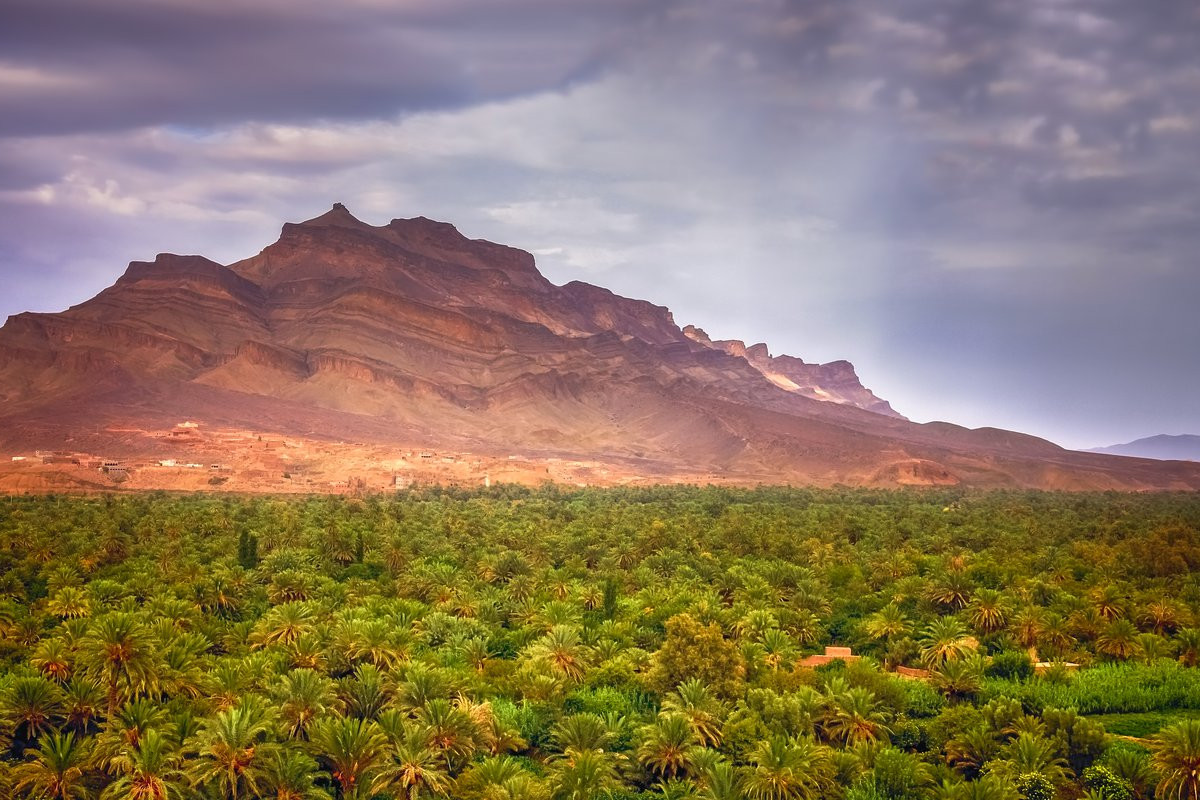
835,382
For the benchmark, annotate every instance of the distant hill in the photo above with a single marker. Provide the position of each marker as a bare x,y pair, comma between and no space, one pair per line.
1185,447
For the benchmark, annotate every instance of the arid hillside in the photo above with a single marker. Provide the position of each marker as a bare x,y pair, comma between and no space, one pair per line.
368,350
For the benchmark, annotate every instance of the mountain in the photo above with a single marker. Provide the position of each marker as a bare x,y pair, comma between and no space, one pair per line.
349,352
1185,447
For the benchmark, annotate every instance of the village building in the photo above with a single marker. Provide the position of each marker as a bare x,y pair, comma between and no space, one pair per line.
831,654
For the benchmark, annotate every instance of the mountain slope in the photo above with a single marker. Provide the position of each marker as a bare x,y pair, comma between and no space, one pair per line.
1185,447
409,334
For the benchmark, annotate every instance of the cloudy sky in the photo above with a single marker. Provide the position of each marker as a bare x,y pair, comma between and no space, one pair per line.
992,207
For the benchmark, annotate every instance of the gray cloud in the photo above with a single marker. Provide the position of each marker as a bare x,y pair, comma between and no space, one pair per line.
991,207
79,65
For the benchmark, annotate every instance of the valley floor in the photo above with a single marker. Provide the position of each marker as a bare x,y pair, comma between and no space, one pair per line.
630,643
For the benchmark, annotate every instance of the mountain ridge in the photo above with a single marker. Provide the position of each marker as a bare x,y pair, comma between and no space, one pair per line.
1163,446
410,333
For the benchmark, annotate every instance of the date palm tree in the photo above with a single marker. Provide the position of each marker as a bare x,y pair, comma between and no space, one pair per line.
366,694
147,771
219,596
756,621
56,772
585,775
421,685
477,653
1032,753
578,733
952,591
720,781
1086,623
562,651
501,777
958,679
53,659
500,737
302,696
353,750
1109,602
788,769
225,683
82,703
182,666
854,717
375,641
778,647
1151,647
416,769
989,787
666,745
125,729
703,712
1187,640
120,654
290,776
450,731
69,602
1162,616
805,626
971,749
1135,767
30,705
988,611
291,586
232,752
1056,635
1175,751
1028,625
283,624
307,652
1118,640
944,639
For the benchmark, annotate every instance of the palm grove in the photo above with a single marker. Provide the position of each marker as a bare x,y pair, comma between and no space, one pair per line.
548,645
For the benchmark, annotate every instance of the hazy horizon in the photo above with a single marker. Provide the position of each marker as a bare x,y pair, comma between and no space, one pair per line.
991,209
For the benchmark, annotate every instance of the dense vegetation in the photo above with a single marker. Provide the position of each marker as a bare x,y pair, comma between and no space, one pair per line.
555,645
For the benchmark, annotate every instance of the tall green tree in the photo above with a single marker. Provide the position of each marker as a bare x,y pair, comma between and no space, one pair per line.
1176,753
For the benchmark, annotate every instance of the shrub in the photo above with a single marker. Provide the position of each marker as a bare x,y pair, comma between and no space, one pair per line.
1103,780
922,700
897,775
1081,740
607,700
908,734
1035,786
1010,665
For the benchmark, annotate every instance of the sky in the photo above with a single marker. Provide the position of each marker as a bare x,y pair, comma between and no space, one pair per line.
991,207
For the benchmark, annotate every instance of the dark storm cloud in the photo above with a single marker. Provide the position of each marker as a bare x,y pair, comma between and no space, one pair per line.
80,65
986,205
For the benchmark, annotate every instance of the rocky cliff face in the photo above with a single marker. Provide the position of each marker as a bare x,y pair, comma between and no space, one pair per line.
411,332
835,382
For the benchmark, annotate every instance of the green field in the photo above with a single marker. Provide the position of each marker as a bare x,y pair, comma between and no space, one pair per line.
1140,726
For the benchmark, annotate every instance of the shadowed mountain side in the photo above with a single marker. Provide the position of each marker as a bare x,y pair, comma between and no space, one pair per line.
411,334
